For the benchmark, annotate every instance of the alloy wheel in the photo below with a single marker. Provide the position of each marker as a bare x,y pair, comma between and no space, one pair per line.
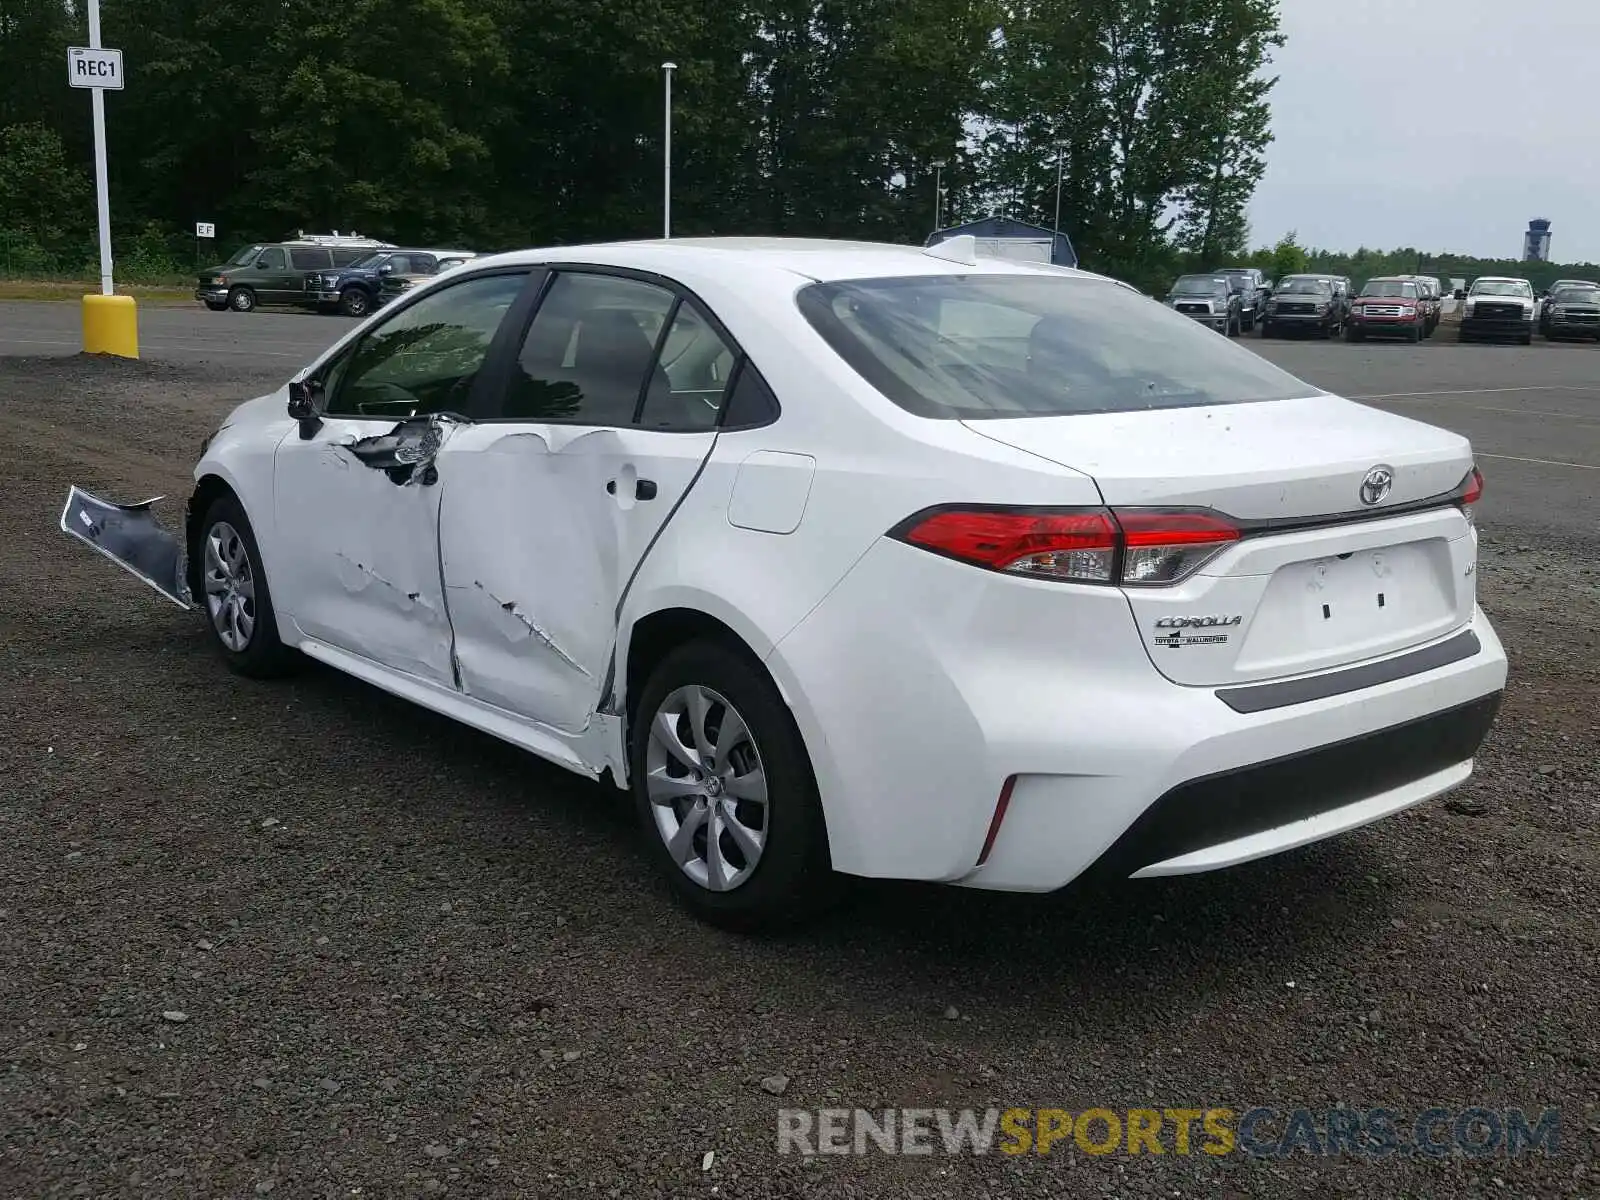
707,788
230,587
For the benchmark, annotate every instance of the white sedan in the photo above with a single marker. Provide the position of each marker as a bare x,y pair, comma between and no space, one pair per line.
858,560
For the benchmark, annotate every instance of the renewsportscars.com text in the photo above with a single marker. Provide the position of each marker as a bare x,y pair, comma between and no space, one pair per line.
1260,1132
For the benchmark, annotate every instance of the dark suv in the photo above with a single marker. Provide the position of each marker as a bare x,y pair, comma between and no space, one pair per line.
276,272
357,289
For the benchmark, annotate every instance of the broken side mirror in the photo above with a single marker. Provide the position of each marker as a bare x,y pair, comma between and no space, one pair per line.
305,405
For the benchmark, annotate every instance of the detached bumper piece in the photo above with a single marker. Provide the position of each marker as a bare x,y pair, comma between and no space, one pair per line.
1235,804
130,536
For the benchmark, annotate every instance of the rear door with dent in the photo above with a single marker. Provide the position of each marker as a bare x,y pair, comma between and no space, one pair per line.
606,417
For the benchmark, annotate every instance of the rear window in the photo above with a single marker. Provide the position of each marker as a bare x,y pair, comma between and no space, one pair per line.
349,258
310,260
980,347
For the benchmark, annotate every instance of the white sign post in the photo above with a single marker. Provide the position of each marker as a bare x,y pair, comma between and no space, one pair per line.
98,69
204,229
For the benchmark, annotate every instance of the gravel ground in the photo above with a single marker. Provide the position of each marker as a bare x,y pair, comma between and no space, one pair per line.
304,940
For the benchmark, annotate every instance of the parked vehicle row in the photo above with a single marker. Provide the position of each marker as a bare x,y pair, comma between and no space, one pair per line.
1396,306
347,274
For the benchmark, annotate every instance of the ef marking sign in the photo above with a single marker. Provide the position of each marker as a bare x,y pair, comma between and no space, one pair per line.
88,68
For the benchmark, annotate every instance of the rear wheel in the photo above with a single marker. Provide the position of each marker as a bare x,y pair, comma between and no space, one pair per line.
234,594
724,792
242,299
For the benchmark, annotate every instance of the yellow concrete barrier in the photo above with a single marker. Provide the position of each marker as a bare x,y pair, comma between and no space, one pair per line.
111,326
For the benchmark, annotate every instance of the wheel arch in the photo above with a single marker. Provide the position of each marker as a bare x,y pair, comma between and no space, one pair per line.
208,489
655,634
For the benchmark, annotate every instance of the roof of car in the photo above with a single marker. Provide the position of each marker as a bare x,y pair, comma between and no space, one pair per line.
813,258
1500,279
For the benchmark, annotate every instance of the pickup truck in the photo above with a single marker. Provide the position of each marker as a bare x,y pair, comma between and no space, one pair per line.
1252,287
1498,306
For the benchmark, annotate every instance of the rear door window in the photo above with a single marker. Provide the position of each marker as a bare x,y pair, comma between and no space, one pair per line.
348,258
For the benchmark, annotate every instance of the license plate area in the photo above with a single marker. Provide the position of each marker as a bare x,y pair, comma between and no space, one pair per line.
1352,605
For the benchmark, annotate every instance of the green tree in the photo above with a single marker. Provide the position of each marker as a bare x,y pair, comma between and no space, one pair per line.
44,199
1155,111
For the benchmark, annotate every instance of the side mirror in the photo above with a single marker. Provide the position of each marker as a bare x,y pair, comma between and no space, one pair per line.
1461,293
386,269
261,264
305,405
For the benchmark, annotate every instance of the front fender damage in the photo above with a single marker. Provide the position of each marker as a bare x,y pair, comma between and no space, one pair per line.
130,536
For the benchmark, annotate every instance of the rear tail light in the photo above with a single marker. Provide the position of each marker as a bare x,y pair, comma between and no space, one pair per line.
1471,491
1128,547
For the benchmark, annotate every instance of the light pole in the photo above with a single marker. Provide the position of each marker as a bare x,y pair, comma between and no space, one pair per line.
666,180
1058,193
938,196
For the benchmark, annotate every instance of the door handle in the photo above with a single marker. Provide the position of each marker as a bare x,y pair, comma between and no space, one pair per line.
644,489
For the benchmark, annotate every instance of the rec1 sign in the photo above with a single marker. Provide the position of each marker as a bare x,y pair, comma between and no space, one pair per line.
89,68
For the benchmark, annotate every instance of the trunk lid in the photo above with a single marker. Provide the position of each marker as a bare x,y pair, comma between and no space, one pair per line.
1341,580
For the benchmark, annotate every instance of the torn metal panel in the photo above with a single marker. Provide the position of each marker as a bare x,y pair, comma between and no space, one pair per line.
130,536
405,453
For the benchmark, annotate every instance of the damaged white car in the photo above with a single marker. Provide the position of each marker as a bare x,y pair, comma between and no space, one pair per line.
858,560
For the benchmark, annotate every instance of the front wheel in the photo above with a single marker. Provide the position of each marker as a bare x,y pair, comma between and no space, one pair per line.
234,594
242,299
1352,334
355,302
725,794
1527,339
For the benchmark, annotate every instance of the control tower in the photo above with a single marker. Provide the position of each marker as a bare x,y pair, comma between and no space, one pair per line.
1536,242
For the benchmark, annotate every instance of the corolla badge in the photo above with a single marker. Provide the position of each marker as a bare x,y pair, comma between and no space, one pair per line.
1377,484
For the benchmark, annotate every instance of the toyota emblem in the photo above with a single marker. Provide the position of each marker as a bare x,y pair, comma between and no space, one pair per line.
1377,484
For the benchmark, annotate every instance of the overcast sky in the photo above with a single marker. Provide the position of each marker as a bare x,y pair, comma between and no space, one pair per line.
1440,124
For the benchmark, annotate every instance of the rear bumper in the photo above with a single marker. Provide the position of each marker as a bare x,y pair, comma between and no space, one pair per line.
917,712
1236,815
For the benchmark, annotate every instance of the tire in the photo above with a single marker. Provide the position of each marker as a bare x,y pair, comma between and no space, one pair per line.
242,299
1352,334
355,302
217,305
234,597
1264,330
1235,326
1416,334
1527,339
789,879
